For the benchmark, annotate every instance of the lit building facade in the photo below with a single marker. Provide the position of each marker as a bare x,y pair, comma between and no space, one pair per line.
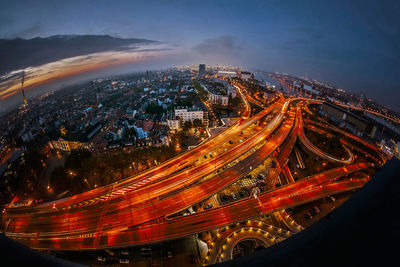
219,99
65,145
186,114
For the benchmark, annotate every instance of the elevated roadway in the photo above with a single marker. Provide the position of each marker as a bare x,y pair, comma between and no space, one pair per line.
143,209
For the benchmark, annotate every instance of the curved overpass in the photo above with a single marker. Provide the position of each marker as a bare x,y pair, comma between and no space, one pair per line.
383,157
317,151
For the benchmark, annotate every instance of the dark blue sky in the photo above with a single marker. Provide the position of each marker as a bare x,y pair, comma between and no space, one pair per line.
352,44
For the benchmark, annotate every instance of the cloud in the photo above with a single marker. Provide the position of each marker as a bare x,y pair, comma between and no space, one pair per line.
73,66
223,44
28,32
220,50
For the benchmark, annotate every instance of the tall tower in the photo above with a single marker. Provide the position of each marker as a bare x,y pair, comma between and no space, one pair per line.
202,69
22,88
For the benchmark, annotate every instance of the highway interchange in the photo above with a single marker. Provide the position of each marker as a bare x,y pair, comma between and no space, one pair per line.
145,208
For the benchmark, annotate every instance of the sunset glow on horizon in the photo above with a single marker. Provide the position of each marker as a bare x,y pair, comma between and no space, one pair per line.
10,83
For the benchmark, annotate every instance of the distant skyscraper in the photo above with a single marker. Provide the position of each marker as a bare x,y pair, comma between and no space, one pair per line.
202,69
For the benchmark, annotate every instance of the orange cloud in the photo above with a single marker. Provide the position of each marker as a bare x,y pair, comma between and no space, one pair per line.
39,75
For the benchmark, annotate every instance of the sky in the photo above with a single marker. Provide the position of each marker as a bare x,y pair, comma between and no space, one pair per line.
354,45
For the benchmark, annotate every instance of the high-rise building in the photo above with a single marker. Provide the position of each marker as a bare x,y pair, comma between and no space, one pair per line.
202,69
